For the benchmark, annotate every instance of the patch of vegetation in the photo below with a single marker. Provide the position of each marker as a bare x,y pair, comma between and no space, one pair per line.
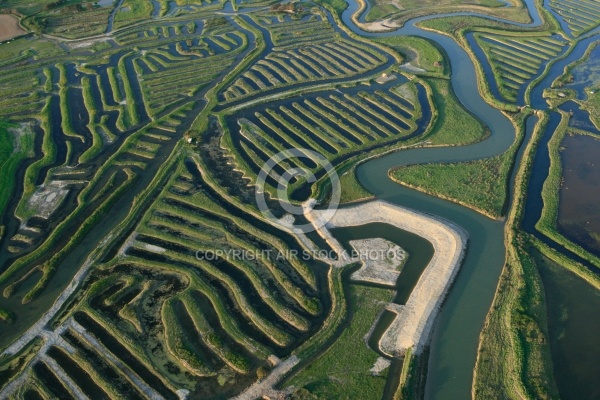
70,20
16,145
592,106
480,184
343,370
351,189
133,11
6,316
514,356
420,52
337,5
454,125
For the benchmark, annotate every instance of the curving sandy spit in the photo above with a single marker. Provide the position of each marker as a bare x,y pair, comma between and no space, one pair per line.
413,325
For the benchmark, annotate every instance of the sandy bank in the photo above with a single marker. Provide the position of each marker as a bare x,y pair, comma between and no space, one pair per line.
9,27
386,25
412,327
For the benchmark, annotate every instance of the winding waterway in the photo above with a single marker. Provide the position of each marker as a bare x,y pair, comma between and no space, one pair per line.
455,338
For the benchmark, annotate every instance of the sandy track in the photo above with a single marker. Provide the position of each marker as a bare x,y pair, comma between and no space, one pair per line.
64,377
266,386
412,327
9,27
133,377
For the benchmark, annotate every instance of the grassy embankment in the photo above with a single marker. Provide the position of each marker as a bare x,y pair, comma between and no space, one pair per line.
344,367
413,376
548,223
513,356
92,109
65,106
16,145
480,184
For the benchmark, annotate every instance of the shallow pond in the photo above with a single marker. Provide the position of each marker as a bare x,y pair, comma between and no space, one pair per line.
420,251
579,210
573,308
586,74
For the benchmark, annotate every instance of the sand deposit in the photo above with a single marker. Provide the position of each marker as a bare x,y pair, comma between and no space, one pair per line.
381,261
380,365
47,198
414,322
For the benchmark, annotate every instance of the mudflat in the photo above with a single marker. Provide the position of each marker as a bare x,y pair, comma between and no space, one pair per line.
9,27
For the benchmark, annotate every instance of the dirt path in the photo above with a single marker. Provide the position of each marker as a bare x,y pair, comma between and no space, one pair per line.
132,375
266,386
9,27
64,377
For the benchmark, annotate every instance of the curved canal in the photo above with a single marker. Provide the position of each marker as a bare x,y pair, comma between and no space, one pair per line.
455,337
